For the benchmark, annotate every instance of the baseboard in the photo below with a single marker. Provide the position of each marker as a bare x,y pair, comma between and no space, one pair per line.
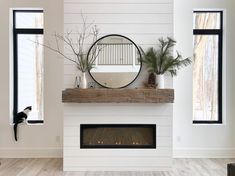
31,152
117,169
204,153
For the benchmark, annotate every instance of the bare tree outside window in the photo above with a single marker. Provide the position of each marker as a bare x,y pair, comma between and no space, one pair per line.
206,67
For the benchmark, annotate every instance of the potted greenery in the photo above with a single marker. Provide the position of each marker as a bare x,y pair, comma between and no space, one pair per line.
160,61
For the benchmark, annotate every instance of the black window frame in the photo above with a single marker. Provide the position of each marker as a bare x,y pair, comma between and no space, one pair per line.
219,33
16,32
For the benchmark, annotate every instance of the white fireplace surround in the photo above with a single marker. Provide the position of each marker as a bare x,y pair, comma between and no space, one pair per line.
76,159
143,21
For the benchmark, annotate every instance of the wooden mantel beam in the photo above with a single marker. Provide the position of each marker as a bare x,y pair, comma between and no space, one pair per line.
102,95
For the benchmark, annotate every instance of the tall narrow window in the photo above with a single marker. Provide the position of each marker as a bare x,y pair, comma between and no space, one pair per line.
207,67
28,63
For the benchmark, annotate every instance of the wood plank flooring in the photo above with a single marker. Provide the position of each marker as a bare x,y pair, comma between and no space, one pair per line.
53,167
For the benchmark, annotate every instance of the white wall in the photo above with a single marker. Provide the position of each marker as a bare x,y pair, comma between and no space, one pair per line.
202,140
34,140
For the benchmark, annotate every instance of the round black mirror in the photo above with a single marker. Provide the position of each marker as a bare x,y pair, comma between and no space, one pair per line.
117,61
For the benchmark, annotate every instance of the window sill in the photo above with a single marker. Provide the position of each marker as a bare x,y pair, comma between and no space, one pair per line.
31,122
202,123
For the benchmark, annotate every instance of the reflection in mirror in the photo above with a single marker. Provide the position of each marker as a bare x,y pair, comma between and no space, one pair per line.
117,63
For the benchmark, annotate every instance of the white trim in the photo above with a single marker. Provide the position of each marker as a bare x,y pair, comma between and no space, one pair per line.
31,152
26,8
224,69
204,153
11,69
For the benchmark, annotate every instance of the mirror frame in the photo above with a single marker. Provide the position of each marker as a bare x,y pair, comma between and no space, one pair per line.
117,35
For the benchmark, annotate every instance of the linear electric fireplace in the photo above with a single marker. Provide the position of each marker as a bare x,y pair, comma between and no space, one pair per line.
118,136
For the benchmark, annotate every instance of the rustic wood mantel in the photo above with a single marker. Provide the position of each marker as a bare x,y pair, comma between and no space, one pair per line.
102,95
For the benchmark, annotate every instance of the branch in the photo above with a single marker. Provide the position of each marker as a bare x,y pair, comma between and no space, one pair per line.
94,55
68,41
57,51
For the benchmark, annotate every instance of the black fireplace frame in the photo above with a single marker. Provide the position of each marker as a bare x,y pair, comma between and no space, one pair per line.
83,126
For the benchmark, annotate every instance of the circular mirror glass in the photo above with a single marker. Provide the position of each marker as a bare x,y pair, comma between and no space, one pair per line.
115,61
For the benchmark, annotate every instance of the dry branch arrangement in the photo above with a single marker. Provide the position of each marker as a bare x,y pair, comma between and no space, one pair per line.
76,46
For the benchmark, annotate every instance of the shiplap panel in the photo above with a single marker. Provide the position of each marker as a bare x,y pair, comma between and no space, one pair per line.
117,161
138,29
119,110
73,123
160,151
162,141
118,8
165,131
150,39
72,120
120,18
69,80
70,131
71,141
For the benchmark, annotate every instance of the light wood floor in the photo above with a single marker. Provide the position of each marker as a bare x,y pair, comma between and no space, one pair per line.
53,167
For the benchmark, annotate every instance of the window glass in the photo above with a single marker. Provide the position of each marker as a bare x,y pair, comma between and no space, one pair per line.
205,77
30,75
210,20
29,20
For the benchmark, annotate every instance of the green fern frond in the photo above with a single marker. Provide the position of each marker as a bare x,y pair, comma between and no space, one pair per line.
161,60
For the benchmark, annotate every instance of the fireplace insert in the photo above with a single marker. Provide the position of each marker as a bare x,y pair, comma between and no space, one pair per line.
118,136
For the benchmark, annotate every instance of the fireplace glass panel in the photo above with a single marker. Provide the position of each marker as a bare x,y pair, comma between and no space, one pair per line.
118,136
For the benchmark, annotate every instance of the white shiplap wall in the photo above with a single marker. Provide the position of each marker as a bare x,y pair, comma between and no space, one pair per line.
76,159
143,21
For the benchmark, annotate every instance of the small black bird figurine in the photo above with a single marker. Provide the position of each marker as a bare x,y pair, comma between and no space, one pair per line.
21,117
